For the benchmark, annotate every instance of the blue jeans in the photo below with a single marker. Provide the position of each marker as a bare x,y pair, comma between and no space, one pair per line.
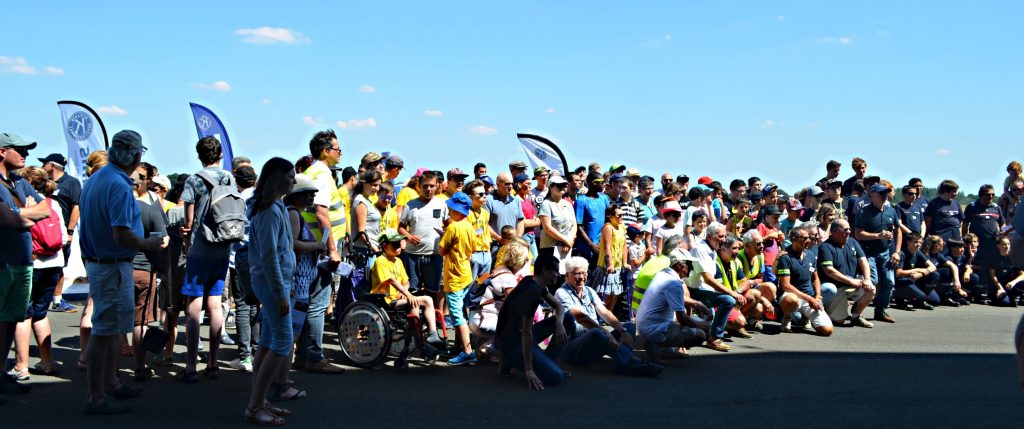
481,264
532,239
511,345
722,303
424,271
311,349
591,346
883,275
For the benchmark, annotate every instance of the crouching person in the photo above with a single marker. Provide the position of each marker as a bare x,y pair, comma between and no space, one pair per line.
803,295
662,321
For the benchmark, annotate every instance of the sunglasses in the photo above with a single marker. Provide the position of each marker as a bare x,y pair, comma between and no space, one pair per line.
477,194
988,195
20,151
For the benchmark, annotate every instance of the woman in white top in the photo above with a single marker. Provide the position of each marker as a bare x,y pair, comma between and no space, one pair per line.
512,261
46,270
558,222
365,227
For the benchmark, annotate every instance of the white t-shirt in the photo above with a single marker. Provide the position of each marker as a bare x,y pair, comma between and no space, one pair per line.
705,264
663,298
420,219
664,233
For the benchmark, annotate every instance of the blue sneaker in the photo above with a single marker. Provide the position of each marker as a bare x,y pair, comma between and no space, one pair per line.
63,307
463,359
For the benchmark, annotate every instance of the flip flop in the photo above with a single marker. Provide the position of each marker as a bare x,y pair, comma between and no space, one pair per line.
252,413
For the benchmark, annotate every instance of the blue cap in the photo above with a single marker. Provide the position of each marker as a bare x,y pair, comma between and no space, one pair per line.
879,188
460,203
487,180
615,178
520,178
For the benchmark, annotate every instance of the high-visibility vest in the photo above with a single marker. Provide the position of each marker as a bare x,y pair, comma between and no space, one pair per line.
729,278
336,211
751,269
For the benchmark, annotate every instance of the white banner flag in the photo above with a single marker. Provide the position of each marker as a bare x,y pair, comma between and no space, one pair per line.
84,132
542,152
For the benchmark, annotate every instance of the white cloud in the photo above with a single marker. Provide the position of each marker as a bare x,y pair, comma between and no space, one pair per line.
19,65
768,123
271,35
842,40
266,102
780,18
112,110
667,37
482,130
357,124
312,121
367,89
549,110
942,152
433,112
219,85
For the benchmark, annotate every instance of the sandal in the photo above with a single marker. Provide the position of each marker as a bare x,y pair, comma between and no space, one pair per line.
45,368
280,393
281,412
188,377
252,416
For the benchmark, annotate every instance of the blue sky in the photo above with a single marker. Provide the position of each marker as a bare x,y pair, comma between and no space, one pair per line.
726,89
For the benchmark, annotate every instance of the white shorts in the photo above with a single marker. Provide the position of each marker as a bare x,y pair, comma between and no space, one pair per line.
818,318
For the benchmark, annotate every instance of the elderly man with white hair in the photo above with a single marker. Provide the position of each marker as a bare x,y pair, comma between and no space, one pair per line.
705,288
590,342
752,260
662,321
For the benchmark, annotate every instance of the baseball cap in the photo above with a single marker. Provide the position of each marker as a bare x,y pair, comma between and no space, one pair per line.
520,178
632,172
14,140
127,138
772,209
794,205
616,168
879,188
557,180
391,235
370,158
767,189
615,178
460,203
671,206
394,161
487,179
678,255
633,229
162,180
517,164
539,171
815,191
456,172
420,171
834,184
682,178
705,180
303,183
55,158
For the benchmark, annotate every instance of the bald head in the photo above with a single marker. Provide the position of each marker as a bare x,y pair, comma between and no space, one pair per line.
840,231
502,184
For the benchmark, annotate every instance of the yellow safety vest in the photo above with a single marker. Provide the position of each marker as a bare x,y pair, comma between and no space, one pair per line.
751,271
731,284
336,211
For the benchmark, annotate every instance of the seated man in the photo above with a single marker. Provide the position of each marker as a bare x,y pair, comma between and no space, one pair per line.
803,294
752,260
842,262
662,321
705,288
590,342
388,277
916,277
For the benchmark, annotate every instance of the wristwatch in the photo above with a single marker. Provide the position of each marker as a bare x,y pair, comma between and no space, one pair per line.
71,231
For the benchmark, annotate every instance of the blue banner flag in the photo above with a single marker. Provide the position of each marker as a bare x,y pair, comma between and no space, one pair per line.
542,152
84,132
208,124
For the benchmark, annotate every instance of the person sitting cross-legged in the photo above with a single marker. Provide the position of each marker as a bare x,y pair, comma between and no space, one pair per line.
589,342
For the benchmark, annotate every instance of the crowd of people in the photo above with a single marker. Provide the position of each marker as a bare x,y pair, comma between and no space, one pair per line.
532,272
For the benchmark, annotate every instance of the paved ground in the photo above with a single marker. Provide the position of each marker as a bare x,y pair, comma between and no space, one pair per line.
948,367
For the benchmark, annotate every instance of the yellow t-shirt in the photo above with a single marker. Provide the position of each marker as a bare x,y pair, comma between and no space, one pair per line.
618,243
458,241
405,195
346,199
481,230
443,196
167,205
389,219
385,269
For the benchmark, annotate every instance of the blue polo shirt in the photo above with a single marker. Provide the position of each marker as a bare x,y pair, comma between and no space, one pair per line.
17,242
874,220
108,202
843,258
504,211
912,215
946,217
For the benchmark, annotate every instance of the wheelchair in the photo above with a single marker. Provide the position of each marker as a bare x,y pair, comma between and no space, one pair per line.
370,331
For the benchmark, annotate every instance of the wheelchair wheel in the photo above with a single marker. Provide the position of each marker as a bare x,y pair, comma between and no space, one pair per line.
365,334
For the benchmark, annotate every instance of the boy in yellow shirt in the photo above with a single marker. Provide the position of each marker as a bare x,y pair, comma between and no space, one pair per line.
388,277
456,246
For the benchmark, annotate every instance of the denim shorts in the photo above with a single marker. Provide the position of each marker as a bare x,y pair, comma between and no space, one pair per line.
275,330
456,306
204,277
112,289
44,282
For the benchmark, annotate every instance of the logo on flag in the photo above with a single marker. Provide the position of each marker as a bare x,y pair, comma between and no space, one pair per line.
541,155
80,126
204,122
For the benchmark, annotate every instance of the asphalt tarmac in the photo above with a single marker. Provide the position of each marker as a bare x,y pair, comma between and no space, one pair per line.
945,368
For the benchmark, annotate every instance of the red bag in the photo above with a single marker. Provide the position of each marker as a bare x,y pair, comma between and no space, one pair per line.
47,237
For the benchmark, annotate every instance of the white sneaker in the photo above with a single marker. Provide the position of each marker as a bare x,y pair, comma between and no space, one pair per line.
787,324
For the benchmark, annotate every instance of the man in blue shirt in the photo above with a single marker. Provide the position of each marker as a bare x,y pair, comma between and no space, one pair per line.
842,262
19,200
877,225
944,215
911,213
111,226
506,209
590,210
